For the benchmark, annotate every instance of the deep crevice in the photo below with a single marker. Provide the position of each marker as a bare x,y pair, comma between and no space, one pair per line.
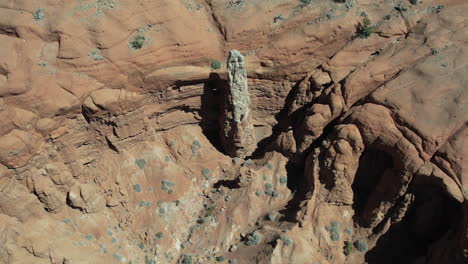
431,216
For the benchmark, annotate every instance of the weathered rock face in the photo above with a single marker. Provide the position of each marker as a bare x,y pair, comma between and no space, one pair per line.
122,141
237,133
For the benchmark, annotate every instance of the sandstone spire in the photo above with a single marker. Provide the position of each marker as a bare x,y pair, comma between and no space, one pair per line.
236,123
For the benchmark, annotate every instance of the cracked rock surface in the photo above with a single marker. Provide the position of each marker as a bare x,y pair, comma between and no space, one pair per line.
234,131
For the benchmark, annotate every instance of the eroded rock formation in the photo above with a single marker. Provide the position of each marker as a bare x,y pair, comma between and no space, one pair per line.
323,140
237,134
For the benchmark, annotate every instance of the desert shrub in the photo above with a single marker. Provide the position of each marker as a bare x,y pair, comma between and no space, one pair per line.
360,245
159,235
253,239
186,259
206,173
334,230
400,8
305,2
286,240
277,18
259,193
137,187
365,28
137,42
220,258
268,186
348,248
271,217
39,14
283,179
216,65
141,163
414,2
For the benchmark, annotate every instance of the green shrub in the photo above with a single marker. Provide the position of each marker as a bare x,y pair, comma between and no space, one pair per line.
253,239
283,179
137,187
137,42
268,186
216,65
186,259
305,2
259,193
348,248
39,14
414,2
286,240
141,163
159,235
220,258
360,245
365,29
400,8
206,173
334,230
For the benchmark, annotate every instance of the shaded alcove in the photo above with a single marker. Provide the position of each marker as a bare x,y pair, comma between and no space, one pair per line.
430,216
372,165
212,103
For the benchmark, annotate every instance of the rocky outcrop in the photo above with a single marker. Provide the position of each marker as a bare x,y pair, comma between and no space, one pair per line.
123,138
237,135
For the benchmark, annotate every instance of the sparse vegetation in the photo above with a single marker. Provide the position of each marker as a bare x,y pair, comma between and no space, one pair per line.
348,248
253,239
400,8
206,173
277,18
360,245
334,230
141,163
283,179
216,65
137,42
39,14
159,235
365,28
186,259
137,187
286,240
